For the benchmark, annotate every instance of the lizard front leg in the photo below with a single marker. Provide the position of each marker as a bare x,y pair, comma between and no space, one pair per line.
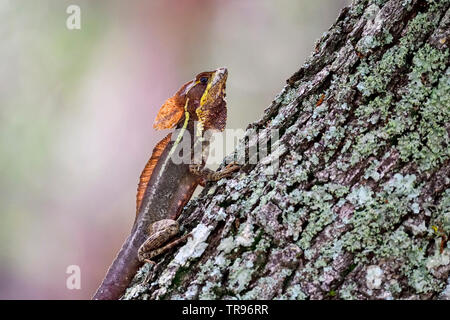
206,174
159,233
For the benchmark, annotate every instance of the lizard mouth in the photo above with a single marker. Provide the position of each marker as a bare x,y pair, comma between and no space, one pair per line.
220,78
220,75
217,85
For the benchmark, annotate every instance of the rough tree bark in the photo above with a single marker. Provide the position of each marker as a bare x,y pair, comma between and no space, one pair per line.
360,206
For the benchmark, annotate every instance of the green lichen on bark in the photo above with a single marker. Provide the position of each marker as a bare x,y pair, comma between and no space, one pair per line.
360,205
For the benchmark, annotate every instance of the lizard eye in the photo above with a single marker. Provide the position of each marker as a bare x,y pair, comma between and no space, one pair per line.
204,80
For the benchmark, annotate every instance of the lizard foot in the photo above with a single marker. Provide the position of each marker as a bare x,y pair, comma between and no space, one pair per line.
225,172
206,174
231,167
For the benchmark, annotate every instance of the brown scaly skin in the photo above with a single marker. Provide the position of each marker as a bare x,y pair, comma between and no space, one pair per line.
171,185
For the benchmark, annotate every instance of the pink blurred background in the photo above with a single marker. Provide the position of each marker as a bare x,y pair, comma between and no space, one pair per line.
77,108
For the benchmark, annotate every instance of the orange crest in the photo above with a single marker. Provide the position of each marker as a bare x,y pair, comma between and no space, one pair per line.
148,170
169,114
173,109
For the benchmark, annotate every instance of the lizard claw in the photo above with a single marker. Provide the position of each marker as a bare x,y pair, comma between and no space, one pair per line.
186,236
231,167
150,261
231,164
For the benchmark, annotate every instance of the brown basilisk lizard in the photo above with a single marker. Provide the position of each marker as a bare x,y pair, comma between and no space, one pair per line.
166,185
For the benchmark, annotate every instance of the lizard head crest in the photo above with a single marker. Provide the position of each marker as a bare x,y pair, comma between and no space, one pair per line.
205,95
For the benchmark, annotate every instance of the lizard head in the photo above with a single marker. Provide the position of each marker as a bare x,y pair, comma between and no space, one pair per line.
212,111
203,98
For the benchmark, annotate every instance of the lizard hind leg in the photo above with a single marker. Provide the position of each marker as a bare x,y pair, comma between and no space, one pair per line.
159,233
167,247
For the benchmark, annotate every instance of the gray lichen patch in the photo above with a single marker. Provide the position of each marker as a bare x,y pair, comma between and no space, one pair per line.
374,277
195,246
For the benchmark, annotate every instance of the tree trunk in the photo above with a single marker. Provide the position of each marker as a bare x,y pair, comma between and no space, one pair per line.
360,205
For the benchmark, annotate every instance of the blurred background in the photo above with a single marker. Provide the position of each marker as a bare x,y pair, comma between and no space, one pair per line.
77,108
